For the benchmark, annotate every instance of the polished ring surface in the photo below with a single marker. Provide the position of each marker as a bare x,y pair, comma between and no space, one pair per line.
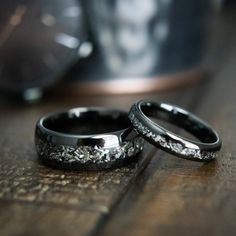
87,138
205,149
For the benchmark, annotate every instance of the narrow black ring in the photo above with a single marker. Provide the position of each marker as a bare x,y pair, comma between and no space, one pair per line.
87,138
205,150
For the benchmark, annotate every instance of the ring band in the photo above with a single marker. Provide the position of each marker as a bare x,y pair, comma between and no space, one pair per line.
65,139
205,150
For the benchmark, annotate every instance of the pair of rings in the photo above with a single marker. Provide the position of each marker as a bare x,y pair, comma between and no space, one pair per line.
101,138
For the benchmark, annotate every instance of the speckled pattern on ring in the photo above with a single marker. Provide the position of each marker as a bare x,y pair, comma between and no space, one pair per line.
88,154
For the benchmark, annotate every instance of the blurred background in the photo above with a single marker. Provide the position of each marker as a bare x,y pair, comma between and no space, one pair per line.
79,47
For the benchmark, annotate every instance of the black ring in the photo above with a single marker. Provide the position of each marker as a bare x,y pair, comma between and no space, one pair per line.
205,150
87,138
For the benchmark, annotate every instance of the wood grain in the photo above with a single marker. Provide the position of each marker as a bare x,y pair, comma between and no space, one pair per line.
31,219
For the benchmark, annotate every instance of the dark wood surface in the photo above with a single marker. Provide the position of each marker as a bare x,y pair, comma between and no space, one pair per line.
158,195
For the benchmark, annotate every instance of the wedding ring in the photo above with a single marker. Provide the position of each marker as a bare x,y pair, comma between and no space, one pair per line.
205,149
87,138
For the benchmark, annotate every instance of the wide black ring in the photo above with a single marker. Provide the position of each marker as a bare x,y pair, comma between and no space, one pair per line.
205,150
87,138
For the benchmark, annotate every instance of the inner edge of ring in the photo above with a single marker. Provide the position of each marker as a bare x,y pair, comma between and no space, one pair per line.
41,125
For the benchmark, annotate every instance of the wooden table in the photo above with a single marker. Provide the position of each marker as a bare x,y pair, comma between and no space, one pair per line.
158,195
